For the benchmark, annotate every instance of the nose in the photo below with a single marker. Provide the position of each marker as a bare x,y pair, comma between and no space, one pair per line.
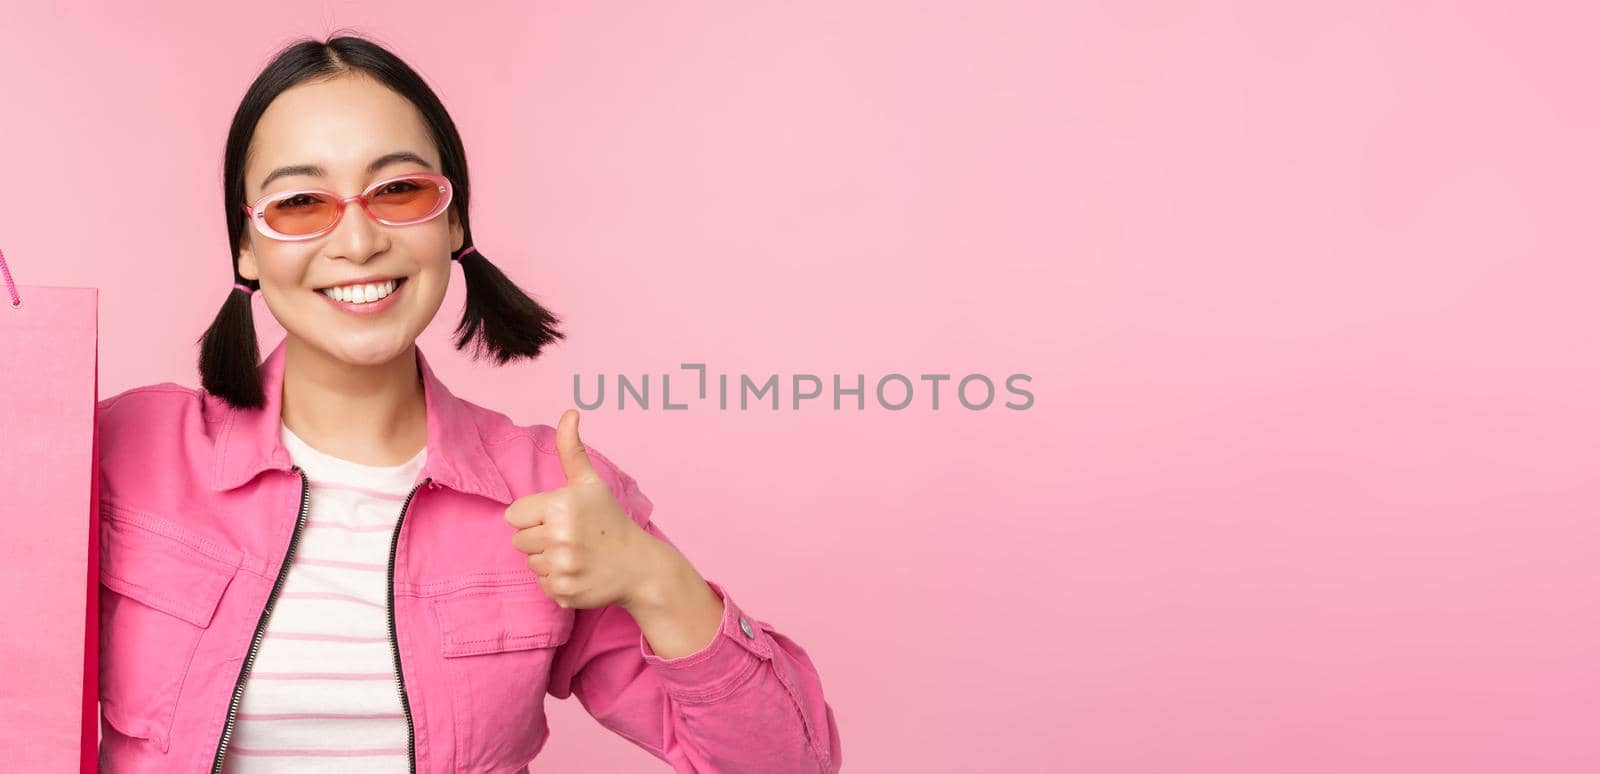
356,237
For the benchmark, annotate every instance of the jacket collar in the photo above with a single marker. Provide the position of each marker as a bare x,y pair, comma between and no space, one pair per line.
250,440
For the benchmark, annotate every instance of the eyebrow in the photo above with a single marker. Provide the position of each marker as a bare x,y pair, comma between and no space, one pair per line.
377,164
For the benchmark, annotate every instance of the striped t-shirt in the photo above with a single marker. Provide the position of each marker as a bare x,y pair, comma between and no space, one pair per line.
322,694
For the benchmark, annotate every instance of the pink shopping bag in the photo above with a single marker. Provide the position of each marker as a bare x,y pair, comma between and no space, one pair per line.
49,517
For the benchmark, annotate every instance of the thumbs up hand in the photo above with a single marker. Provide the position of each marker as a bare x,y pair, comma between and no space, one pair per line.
583,547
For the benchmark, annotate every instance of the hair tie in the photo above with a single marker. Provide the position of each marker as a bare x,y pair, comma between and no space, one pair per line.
244,287
470,249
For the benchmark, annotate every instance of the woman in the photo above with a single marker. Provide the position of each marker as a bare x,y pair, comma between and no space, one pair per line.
325,561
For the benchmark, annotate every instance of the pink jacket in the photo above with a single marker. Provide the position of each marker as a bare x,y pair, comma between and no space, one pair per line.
200,506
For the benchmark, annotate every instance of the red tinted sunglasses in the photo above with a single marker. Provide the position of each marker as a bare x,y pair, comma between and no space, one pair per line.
308,213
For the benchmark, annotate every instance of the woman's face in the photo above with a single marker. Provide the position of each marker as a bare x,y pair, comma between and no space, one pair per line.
342,126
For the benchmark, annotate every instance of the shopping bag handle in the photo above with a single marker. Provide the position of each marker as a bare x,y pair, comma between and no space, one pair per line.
11,287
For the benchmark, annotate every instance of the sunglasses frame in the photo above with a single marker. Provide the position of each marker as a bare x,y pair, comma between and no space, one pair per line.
257,213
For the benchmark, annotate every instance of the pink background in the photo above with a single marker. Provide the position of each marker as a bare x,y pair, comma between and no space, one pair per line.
1307,299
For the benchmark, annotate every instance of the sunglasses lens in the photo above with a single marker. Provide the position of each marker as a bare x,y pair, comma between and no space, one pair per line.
407,200
303,213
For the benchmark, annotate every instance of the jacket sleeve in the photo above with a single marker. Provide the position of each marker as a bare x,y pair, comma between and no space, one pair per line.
749,701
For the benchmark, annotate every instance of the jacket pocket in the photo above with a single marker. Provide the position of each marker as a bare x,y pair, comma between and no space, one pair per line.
498,645
160,587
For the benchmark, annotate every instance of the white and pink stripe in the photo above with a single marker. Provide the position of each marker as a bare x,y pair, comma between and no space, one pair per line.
322,694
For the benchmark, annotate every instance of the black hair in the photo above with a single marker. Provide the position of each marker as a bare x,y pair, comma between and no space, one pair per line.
498,318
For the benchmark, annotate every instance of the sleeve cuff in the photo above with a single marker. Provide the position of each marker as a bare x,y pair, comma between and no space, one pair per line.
732,656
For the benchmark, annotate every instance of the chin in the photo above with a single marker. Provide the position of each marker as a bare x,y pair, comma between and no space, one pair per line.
367,350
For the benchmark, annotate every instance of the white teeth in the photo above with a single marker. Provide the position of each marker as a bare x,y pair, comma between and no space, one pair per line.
361,294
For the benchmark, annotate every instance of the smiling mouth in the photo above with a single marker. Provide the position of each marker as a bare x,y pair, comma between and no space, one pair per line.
364,293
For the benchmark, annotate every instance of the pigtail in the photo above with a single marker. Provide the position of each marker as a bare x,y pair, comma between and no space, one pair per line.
499,319
229,354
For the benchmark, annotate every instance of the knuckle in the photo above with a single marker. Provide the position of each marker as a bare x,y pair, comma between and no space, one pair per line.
564,562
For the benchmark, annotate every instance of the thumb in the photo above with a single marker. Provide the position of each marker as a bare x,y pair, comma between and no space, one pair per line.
574,460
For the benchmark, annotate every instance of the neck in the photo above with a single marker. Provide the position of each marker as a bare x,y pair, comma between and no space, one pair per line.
368,414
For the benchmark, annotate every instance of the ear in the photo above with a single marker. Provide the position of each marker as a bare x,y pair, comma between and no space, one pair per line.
247,261
458,235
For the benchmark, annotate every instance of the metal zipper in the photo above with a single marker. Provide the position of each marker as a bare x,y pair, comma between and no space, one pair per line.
261,623
394,642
